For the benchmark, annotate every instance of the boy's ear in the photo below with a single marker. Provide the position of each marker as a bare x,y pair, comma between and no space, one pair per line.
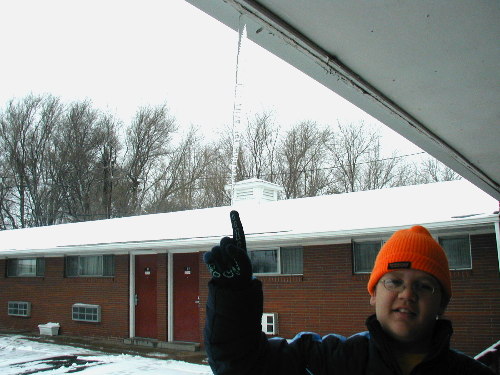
373,298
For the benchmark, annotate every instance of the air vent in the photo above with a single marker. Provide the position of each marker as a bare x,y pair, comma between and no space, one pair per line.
270,323
19,308
86,313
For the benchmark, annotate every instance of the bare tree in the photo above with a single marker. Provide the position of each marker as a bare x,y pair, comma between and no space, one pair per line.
108,163
301,154
7,196
355,153
77,143
214,181
177,187
25,133
217,175
349,148
381,172
432,170
86,146
148,142
260,146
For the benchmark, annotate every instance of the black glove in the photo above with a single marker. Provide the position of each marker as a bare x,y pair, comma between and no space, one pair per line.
229,263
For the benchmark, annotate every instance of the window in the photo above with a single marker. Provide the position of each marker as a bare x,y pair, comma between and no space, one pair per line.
31,267
457,249
364,254
86,313
90,265
285,260
19,308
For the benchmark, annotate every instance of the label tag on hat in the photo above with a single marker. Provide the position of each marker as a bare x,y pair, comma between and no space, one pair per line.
398,265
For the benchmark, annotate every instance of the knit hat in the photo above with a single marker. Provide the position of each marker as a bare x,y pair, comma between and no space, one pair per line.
412,248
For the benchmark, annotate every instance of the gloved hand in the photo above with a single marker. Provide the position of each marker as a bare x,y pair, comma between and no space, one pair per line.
229,263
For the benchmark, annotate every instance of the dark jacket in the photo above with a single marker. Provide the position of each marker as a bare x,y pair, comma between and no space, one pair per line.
236,345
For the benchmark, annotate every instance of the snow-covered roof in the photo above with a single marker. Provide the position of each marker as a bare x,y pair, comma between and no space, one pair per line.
323,219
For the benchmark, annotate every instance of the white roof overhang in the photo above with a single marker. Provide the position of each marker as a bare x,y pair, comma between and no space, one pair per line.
442,207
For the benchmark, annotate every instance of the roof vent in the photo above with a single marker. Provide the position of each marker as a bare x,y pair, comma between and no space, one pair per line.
255,190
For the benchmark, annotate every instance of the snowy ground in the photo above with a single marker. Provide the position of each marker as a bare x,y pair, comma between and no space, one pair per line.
19,355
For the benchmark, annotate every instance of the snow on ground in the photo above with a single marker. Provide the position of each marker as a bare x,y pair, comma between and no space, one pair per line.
19,355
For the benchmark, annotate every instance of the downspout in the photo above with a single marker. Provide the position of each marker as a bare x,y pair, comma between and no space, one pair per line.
132,296
170,297
497,233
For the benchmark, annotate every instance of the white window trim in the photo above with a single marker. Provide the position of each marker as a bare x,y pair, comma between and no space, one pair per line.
278,259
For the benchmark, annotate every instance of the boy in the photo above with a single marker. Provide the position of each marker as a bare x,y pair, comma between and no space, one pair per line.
409,286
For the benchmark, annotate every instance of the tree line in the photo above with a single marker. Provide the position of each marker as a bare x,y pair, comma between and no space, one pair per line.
72,162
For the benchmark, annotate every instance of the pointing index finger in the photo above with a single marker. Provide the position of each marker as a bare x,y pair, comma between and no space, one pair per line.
238,234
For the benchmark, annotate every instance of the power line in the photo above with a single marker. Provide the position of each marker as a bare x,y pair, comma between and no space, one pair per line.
121,178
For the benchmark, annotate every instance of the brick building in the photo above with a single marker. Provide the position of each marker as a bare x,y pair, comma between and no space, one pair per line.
144,276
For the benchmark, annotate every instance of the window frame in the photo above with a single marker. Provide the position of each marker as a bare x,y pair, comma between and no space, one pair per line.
279,271
469,250
353,249
105,273
39,267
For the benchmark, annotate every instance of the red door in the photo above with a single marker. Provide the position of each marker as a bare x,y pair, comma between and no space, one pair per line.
186,298
145,289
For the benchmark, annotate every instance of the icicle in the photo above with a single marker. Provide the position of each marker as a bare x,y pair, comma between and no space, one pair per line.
238,109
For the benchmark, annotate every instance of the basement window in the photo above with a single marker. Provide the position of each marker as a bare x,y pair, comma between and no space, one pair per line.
86,313
364,254
90,266
457,249
281,261
19,308
30,267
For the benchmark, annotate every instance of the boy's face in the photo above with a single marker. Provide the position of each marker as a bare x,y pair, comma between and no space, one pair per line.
408,316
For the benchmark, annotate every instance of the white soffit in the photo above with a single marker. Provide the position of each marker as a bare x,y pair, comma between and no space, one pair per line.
427,69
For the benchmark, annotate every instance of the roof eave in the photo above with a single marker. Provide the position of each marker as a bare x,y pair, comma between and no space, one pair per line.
257,240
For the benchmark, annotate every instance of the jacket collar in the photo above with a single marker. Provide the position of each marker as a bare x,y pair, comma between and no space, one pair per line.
440,342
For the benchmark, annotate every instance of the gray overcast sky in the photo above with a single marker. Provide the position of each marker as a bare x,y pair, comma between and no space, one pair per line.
122,54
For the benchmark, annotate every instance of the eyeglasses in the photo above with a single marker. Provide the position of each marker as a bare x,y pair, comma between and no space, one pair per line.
421,288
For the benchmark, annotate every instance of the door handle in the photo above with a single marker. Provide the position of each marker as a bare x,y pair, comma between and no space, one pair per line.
136,299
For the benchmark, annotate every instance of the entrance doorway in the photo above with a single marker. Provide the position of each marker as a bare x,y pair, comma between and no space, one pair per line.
146,271
186,297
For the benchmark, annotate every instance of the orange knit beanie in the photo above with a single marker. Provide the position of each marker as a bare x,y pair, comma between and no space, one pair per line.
412,248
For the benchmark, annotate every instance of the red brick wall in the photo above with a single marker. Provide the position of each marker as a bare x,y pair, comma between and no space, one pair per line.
475,306
53,295
329,298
